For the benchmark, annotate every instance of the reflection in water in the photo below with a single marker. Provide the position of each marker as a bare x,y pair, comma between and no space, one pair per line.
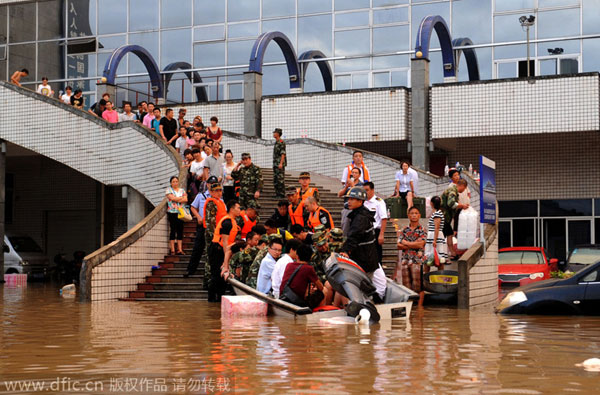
440,350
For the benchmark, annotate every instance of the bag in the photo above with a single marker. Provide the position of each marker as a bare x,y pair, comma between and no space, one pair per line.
288,295
436,258
184,214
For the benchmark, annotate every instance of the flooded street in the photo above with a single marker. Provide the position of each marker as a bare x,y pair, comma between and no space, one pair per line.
45,337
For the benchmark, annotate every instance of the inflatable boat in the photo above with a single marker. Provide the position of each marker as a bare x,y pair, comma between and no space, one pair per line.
349,279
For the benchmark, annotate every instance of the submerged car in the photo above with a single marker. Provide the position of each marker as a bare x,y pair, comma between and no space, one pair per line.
578,295
523,265
582,256
24,256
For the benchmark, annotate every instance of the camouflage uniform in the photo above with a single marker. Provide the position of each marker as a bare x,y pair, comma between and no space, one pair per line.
336,240
243,259
255,267
318,258
279,174
211,223
250,179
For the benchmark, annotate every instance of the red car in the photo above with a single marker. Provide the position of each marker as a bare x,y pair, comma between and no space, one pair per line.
523,265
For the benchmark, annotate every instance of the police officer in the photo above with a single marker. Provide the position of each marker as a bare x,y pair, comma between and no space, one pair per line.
317,215
279,164
250,180
360,244
379,209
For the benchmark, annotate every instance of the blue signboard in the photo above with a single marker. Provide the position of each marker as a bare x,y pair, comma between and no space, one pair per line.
487,190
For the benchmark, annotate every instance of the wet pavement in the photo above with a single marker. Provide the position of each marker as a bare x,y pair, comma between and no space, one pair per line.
188,347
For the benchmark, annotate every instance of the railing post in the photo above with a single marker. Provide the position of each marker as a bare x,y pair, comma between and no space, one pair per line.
2,202
463,285
252,103
419,77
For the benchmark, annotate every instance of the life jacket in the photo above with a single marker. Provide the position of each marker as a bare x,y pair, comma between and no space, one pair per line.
297,216
234,231
309,192
221,209
365,171
314,219
248,224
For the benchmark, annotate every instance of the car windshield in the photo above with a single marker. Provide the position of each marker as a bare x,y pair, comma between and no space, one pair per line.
24,244
520,258
584,256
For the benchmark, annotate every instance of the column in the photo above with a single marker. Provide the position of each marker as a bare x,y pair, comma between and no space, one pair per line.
136,207
420,113
2,202
252,103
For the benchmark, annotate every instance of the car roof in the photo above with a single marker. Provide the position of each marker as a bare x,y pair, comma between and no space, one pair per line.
520,249
594,246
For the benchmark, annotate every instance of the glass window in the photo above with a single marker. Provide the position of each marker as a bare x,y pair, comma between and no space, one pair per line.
360,81
520,257
559,23
555,3
242,10
350,19
591,55
518,208
565,207
419,12
50,20
313,81
110,20
3,24
472,18
22,57
81,18
149,41
275,80
175,13
508,5
384,3
507,70
235,91
207,12
343,82
286,26
343,66
313,6
513,51
597,228
548,67
50,61
176,46
597,209
390,62
381,80
508,28
382,42
503,236
523,233
143,15
341,5
20,23
314,32
249,29
109,43
567,47
238,52
273,8
209,55
390,15
352,42
81,66
591,16
399,78
209,33
580,232
484,60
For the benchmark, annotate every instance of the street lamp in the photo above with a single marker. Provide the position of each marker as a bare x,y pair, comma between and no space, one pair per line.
527,22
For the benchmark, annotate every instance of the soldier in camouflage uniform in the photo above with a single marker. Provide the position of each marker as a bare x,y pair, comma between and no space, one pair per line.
250,178
255,267
336,239
320,255
216,192
279,164
244,258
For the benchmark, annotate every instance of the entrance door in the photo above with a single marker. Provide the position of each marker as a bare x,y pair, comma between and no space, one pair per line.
580,232
555,238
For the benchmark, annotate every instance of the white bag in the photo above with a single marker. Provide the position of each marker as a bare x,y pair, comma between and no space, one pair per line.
468,225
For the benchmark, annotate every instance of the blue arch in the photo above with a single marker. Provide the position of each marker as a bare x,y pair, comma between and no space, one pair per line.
112,63
428,24
260,47
323,67
193,76
470,57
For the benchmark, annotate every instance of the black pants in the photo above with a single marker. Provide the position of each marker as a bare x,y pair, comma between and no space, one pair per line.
217,284
199,244
176,226
379,246
228,193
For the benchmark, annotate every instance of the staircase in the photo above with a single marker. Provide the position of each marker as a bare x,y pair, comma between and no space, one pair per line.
166,283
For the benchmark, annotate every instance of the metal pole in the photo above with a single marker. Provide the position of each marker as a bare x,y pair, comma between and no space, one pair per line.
528,73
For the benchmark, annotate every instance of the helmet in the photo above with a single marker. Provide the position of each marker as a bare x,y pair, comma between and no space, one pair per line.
212,180
357,193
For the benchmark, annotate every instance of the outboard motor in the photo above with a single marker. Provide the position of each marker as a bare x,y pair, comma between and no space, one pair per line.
350,280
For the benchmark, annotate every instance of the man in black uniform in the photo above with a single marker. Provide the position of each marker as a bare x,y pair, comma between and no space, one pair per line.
360,244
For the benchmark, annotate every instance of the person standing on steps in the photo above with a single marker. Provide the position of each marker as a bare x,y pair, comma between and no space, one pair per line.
279,164
251,182
296,209
197,209
214,210
305,189
176,198
354,180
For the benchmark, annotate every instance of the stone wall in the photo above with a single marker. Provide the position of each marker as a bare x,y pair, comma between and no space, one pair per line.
483,279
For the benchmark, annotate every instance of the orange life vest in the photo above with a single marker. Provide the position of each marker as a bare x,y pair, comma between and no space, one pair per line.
248,224
221,209
365,171
297,216
314,219
234,231
309,192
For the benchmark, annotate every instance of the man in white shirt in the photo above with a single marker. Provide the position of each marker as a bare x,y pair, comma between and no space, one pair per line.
127,115
292,256
377,205
267,265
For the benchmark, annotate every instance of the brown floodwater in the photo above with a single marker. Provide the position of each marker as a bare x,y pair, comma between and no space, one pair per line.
178,347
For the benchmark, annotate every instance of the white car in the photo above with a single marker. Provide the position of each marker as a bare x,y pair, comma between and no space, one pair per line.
22,255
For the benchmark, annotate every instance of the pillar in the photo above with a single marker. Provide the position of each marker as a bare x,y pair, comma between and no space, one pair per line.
252,103
136,207
420,113
2,203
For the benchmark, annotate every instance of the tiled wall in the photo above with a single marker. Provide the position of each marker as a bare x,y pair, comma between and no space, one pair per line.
483,278
118,275
338,117
230,114
511,107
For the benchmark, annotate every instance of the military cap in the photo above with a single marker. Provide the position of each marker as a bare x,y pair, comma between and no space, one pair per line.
291,191
319,228
212,180
304,174
321,240
264,238
336,234
275,236
245,155
216,186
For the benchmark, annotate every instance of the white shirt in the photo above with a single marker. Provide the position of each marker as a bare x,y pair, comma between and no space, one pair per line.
45,90
263,280
378,206
345,175
197,167
66,98
405,180
278,271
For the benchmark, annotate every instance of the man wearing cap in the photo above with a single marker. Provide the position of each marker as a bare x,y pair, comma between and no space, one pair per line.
317,215
250,179
214,210
320,254
360,244
279,164
247,220
240,262
379,209
305,189
336,239
255,266
296,210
